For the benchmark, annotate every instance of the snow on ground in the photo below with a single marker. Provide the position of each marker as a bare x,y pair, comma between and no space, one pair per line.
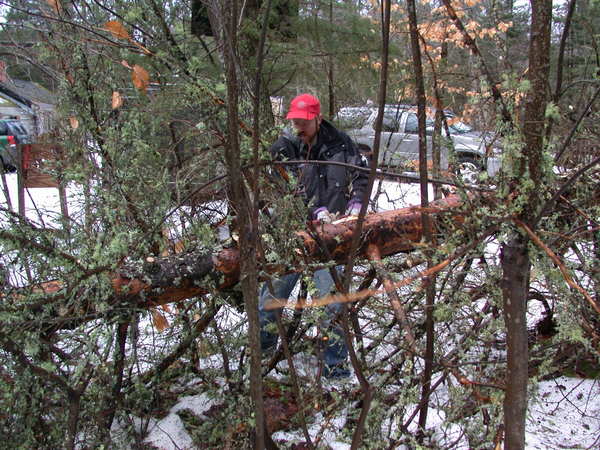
563,413
38,201
169,432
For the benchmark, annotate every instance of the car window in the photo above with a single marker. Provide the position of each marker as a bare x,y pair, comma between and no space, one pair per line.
390,123
412,124
3,129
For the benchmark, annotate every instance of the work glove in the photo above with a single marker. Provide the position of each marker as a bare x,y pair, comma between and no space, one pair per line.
353,208
323,215
226,237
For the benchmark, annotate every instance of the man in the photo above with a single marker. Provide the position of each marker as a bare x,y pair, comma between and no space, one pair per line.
328,190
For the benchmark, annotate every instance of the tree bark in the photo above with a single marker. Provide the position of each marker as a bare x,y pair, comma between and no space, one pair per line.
515,285
424,185
515,258
537,97
245,211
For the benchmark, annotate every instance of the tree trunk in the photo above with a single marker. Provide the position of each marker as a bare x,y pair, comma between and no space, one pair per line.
430,287
243,207
515,285
515,258
197,272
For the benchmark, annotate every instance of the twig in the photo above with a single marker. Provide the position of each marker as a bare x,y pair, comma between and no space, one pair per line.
558,262
575,126
399,311
294,377
544,210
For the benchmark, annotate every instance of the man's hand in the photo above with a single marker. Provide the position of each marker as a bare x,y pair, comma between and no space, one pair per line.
323,215
353,208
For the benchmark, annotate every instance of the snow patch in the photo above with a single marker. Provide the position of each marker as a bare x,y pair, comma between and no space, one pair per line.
169,432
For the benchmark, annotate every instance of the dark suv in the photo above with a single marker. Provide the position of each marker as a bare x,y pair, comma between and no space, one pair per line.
13,135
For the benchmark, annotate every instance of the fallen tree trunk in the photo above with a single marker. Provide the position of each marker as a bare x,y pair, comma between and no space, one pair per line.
190,274
197,272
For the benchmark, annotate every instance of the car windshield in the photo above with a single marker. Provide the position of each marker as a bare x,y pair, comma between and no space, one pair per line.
352,118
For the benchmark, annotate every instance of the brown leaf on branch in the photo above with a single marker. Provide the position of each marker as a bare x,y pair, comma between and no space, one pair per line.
116,29
55,4
160,321
74,122
140,77
117,100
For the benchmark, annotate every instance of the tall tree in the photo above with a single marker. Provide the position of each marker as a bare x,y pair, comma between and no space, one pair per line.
527,180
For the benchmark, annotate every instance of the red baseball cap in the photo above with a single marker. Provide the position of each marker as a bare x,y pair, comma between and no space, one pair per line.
304,106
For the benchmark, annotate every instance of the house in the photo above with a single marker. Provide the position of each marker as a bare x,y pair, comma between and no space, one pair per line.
27,101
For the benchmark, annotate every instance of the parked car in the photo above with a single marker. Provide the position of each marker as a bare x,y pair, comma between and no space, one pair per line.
13,135
474,151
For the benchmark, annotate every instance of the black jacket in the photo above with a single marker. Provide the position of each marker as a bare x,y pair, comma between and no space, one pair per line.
329,186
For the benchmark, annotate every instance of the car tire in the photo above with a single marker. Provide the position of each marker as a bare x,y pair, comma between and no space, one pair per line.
468,169
8,168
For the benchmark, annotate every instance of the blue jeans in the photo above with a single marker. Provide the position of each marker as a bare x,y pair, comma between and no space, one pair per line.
335,351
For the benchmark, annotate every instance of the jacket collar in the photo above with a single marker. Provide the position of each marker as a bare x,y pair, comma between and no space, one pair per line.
327,133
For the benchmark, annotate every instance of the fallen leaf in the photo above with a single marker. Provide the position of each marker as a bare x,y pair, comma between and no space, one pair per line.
117,100
140,77
74,122
116,29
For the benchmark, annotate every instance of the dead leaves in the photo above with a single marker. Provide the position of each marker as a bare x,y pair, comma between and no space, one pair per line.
159,320
117,29
74,122
117,100
140,78
55,5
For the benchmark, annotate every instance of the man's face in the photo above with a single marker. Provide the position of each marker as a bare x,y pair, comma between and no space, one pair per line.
306,129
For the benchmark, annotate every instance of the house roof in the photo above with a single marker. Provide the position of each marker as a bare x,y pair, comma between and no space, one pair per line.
27,92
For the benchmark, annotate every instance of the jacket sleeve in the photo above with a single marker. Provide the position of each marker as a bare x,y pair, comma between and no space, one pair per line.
284,148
